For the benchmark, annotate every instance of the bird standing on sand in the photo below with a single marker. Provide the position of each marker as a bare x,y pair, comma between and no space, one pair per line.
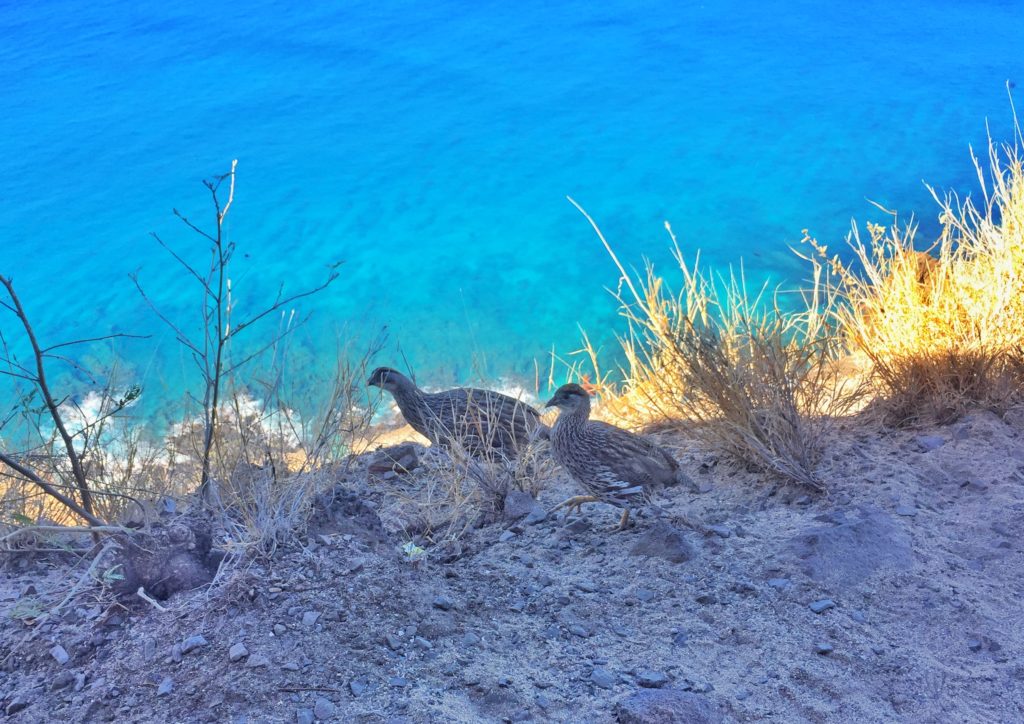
615,466
485,423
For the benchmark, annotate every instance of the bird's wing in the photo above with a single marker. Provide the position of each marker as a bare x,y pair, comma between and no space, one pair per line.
633,458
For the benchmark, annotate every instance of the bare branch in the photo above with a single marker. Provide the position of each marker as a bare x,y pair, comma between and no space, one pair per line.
50,489
118,335
334,274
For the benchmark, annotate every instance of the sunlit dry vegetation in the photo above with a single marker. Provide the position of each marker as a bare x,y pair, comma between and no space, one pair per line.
922,334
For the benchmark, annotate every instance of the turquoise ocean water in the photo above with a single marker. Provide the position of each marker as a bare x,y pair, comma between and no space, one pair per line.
431,146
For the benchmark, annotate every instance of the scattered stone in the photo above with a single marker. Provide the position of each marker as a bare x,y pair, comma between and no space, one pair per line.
518,504
908,511
506,536
257,661
974,644
62,680
680,638
304,716
822,605
543,702
858,616
586,586
722,531
79,682
323,708
398,681
603,678
279,629
237,652
290,666
663,541
399,459
394,643
667,706
17,704
927,443
803,500
423,643
444,602
644,595
580,525
780,584
651,679
166,686
59,653
579,630
706,599
309,618
149,649
358,687
470,639
823,649
535,516
192,643
743,694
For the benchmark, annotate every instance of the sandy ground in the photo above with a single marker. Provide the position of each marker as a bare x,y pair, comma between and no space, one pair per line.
896,597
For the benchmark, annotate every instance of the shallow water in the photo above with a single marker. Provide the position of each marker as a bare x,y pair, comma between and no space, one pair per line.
431,147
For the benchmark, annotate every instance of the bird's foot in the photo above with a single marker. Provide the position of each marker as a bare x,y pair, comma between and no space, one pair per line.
623,522
574,503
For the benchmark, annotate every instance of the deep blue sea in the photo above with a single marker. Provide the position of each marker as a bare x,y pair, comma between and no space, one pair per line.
431,145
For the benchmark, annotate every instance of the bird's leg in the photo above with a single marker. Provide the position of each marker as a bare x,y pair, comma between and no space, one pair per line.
623,521
575,502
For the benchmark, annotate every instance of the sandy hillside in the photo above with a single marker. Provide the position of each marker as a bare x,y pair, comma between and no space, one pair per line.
897,597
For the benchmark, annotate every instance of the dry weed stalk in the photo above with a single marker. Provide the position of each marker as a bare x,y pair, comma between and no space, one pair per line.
761,378
942,330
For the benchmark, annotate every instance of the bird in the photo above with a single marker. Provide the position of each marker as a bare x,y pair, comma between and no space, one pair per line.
613,465
486,424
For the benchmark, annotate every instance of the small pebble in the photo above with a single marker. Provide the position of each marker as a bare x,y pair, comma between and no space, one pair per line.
192,643
822,605
443,602
323,708
166,687
603,678
59,653
237,652
823,649
651,679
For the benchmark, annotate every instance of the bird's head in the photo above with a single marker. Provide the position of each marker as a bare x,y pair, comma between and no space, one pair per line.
569,397
386,378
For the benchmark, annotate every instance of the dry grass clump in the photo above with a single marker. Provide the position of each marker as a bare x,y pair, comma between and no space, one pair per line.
762,379
943,330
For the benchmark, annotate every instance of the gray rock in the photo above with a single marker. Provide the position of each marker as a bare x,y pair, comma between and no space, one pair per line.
304,716
822,605
398,681
823,649
79,682
470,639
579,630
257,661
358,687
845,555
780,584
59,653
279,629
444,602
603,678
324,708
394,643
290,666
663,541
908,511
927,443
61,680
166,686
535,516
667,706
237,652
399,459
506,536
722,531
149,649
518,503
651,679
192,643
17,704
309,618
974,644
645,595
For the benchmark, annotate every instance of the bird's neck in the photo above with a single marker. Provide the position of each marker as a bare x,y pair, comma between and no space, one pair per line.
573,421
407,395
